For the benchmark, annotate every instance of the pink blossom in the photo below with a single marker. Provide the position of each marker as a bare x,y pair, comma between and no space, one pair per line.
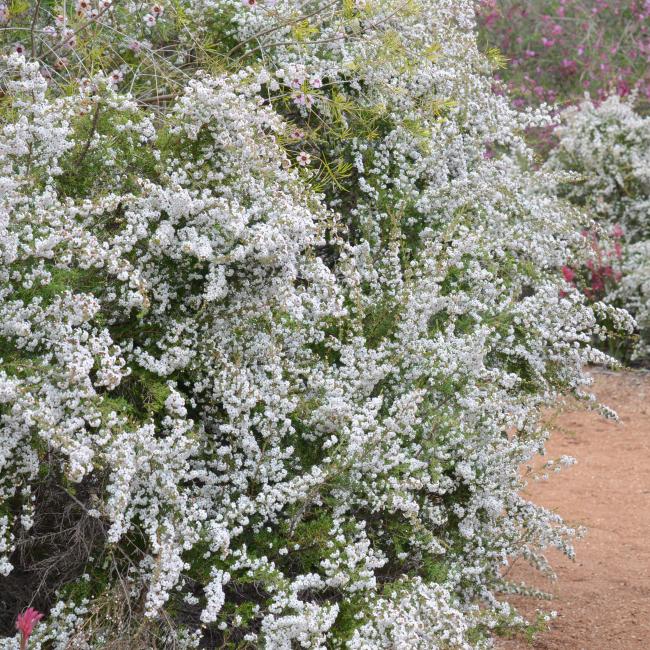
597,283
25,623
569,65
491,19
568,273
623,88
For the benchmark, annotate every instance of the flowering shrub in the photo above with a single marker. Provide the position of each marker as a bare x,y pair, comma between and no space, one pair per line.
634,292
560,52
607,149
600,271
557,51
276,349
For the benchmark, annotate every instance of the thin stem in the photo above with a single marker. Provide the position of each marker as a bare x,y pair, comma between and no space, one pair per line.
93,128
33,27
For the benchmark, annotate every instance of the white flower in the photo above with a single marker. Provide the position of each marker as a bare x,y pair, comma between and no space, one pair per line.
303,158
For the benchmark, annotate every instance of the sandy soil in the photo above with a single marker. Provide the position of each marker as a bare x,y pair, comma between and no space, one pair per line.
603,598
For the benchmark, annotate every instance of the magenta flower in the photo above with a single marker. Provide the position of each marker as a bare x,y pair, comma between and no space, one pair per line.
568,273
491,19
25,623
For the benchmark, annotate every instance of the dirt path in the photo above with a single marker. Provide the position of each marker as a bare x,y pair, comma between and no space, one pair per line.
603,599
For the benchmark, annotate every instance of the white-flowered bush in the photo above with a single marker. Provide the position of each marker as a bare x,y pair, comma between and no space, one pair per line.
275,339
607,149
634,292
607,145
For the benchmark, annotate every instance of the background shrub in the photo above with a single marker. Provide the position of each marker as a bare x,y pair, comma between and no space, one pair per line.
606,147
558,51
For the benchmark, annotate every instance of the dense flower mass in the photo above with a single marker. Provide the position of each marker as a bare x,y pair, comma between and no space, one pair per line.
280,304
606,148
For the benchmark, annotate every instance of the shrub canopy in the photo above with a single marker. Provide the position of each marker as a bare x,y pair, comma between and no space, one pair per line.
280,306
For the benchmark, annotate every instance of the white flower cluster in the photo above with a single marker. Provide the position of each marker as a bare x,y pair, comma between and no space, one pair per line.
634,292
422,617
606,148
288,342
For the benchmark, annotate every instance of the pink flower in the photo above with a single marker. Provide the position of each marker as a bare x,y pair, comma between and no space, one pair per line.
25,623
491,19
597,284
617,231
623,88
618,250
568,273
569,65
